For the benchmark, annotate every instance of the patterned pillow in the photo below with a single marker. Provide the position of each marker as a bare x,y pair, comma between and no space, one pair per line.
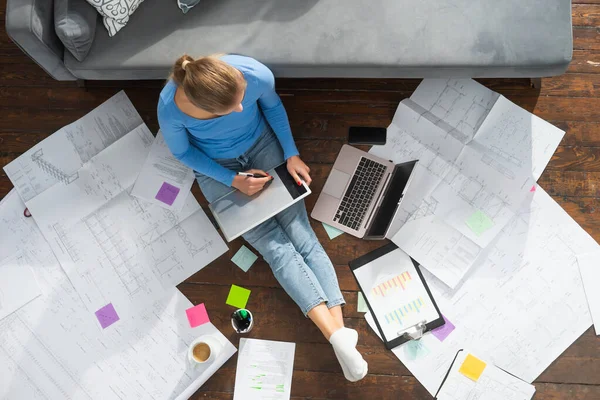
115,12
186,5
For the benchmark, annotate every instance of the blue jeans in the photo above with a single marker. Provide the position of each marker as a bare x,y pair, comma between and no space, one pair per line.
286,241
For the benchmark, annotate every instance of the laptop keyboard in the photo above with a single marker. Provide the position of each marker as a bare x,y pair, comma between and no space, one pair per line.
359,194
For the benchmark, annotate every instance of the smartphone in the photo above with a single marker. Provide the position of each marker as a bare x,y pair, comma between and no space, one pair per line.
366,135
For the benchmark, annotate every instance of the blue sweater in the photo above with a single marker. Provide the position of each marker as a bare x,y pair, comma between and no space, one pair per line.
196,143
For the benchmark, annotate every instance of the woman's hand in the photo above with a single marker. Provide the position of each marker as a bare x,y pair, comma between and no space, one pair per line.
248,185
297,169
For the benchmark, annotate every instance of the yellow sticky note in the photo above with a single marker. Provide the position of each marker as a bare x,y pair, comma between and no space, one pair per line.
472,367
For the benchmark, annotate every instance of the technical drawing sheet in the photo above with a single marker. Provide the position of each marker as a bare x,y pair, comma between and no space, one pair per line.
434,244
17,284
590,275
53,348
492,384
101,179
504,151
506,310
129,252
59,157
464,192
163,180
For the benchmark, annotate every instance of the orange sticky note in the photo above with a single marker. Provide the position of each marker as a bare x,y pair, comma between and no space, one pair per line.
472,367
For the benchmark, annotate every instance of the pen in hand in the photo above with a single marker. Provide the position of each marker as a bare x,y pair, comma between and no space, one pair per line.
250,175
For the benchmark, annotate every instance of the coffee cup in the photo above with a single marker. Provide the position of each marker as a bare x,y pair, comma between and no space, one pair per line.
203,350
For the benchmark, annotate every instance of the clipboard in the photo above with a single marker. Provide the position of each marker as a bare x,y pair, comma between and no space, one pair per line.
387,278
492,366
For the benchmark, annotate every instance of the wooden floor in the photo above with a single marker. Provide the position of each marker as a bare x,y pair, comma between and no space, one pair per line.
33,106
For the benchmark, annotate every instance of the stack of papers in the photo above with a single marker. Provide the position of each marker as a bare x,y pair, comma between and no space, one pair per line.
499,255
479,155
98,314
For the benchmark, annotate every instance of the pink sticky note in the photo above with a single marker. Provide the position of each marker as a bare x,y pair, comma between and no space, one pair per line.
443,331
197,315
167,193
532,189
107,316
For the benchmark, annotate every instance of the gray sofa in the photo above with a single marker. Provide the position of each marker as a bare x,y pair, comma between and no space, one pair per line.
316,38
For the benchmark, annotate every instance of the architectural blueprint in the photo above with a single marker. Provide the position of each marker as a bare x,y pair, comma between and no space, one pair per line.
102,178
590,275
506,310
59,157
129,252
17,284
493,384
52,347
470,184
163,180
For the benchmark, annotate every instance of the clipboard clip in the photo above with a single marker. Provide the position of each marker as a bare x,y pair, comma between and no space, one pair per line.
415,332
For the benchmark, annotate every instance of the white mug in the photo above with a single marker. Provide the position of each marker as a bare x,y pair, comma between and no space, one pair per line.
207,350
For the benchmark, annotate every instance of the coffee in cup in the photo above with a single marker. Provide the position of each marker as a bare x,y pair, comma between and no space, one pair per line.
201,352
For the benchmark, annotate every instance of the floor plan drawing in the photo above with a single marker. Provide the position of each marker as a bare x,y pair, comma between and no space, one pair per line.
59,157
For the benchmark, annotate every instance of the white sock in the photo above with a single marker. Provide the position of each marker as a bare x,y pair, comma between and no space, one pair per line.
353,365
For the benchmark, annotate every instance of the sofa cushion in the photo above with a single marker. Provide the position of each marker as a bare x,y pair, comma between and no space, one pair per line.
186,5
75,25
344,38
115,13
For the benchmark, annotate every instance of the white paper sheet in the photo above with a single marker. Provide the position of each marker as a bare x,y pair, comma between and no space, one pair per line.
264,370
479,156
159,168
52,347
101,179
589,268
395,293
506,308
130,252
428,239
59,157
493,384
17,284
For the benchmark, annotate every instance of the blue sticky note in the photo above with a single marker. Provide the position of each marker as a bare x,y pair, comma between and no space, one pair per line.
415,349
244,258
331,231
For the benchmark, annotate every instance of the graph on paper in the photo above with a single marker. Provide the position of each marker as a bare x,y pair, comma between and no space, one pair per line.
396,294
399,315
398,282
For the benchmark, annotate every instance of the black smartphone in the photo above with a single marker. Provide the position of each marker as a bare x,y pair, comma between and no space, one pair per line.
366,135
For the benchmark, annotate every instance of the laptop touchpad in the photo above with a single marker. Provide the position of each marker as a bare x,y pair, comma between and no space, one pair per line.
336,183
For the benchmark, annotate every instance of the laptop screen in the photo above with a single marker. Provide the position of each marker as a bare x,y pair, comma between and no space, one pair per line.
391,197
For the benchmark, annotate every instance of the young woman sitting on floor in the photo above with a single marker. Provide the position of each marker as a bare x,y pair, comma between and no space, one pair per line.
220,115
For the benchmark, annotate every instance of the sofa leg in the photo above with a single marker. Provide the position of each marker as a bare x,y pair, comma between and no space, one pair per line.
80,83
536,83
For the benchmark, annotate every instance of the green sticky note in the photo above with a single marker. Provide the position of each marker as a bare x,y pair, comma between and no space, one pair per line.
478,222
331,231
244,258
416,349
238,296
362,304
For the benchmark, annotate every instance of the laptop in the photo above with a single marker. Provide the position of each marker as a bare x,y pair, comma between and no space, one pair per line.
363,193
237,213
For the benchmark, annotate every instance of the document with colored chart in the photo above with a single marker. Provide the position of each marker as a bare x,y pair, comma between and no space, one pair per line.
396,293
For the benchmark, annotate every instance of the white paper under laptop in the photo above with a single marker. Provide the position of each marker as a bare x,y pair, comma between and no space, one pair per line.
237,213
